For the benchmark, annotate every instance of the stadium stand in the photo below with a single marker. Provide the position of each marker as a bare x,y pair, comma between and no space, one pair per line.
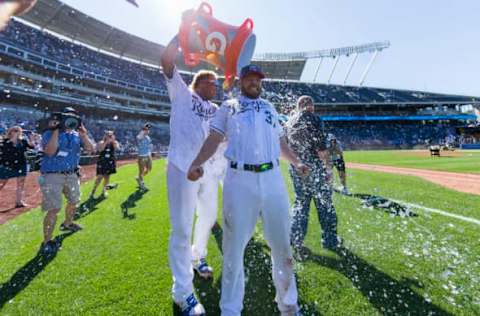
125,130
42,72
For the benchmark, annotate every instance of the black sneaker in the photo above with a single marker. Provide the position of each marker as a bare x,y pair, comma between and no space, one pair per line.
112,186
49,248
333,243
301,253
71,228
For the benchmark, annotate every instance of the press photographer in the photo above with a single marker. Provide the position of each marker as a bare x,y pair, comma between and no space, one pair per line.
106,163
60,171
13,162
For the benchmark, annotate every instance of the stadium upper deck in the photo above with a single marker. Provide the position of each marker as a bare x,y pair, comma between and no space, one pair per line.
38,65
58,17
32,45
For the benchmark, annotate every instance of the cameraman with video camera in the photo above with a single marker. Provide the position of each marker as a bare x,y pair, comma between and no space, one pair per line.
60,172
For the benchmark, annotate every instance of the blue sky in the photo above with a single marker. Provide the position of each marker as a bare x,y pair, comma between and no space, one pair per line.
434,44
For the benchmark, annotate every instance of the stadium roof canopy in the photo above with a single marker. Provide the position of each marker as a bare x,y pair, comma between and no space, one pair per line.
58,17
62,19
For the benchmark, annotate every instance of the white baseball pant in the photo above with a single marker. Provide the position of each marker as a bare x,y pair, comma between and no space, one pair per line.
207,206
246,197
183,196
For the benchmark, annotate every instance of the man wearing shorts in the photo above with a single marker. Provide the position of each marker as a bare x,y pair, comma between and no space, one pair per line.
60,174
144,155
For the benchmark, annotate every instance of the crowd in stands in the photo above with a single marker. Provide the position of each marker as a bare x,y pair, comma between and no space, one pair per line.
277,91
283,93
80,56
353,135
356,135
125,130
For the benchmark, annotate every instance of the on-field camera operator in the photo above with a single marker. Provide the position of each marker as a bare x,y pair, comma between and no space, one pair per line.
59,170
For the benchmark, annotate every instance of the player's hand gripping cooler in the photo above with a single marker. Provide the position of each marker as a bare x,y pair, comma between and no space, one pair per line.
203,38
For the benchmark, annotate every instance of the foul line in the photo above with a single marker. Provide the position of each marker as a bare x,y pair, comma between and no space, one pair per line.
433,210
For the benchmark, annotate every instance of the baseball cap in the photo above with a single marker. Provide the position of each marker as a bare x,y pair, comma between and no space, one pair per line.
249,69
147,126
69,110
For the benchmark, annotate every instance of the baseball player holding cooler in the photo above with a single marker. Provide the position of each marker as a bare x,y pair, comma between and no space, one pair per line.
253,188
189,126
336,152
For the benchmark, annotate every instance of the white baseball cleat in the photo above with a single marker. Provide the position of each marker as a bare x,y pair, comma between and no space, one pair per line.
191,307
203,269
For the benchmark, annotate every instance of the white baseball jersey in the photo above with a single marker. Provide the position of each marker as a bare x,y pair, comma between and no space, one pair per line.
189,122
251,128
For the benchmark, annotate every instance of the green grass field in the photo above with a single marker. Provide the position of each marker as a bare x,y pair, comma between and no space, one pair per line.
425,265
459,161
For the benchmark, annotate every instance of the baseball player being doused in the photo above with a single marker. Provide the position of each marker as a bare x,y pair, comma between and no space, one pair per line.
305,136
191,112
253,188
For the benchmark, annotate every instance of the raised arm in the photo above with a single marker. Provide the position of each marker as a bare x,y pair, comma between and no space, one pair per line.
101,145
88,144
50,148
141,135
289,155
169,56
208,149
9,8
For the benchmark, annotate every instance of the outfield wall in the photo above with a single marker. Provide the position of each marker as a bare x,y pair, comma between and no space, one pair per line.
470,146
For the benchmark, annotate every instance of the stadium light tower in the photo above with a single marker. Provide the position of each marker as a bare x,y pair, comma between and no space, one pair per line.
365,73
318,68
334,53
337,58
354,60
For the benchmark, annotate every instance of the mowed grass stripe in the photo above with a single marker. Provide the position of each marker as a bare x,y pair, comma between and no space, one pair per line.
414,190
118,264
458,161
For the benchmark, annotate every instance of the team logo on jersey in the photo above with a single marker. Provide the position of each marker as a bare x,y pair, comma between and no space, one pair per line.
253,105
239,106
201,109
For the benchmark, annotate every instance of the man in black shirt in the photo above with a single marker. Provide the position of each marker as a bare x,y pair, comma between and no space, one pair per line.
307,140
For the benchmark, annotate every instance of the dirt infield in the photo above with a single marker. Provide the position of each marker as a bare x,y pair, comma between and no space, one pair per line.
33,196
462,182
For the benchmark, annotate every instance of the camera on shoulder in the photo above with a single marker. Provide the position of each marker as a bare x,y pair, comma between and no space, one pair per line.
68,119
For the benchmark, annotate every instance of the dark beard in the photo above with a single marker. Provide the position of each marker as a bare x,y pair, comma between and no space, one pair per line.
249,95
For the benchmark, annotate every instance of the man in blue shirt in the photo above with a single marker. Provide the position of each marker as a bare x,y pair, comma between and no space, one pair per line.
144,155
60,174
